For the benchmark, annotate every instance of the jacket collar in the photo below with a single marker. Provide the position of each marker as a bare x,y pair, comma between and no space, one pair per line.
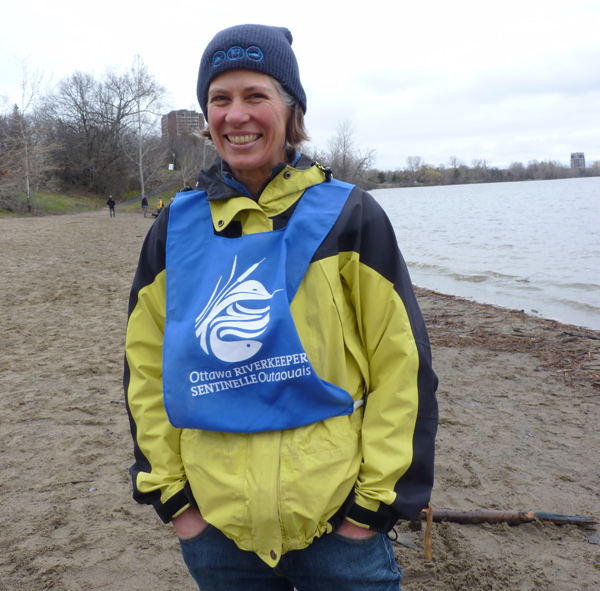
219,183
230,201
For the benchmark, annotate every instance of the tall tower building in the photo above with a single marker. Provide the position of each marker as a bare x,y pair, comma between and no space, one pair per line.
181,122
577,160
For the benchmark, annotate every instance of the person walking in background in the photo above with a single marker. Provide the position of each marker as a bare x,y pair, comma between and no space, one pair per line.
278,370
111,206
159,205
144,204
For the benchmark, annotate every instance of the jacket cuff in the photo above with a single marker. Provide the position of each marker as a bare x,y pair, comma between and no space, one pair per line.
382,520
166,511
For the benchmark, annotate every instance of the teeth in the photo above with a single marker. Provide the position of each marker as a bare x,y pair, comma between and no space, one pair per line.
242,139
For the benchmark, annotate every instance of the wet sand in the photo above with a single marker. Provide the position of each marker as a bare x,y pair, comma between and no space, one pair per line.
519,403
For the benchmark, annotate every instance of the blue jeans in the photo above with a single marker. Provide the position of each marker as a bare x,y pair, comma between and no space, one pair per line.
331,562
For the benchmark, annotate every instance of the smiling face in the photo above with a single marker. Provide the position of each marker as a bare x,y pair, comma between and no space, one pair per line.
247,119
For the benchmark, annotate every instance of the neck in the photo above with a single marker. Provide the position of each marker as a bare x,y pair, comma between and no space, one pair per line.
253,180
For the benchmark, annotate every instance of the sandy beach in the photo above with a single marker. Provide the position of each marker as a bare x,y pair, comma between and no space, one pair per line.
519,430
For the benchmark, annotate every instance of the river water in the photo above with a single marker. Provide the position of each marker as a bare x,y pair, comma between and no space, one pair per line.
532,246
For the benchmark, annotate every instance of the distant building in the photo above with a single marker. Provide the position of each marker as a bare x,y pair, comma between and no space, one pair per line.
181,122
577,160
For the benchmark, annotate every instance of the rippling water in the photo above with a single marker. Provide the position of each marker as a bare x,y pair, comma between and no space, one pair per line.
532,246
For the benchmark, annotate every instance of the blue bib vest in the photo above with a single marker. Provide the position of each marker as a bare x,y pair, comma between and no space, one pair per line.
232,358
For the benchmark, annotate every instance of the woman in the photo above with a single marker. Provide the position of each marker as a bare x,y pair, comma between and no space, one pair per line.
278,371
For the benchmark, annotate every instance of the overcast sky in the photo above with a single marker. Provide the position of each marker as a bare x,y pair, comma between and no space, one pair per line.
517,80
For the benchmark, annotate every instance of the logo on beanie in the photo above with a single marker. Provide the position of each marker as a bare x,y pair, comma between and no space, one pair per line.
254,53
236,53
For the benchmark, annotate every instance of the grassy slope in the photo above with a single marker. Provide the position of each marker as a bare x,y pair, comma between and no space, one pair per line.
47,202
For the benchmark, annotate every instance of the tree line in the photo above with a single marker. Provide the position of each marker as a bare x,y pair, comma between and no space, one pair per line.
102,135
456,172
98,135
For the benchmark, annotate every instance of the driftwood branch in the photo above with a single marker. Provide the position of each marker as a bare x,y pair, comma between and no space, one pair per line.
429,514
510,517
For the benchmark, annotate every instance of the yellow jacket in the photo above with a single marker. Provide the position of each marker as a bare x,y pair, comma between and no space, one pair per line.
362,330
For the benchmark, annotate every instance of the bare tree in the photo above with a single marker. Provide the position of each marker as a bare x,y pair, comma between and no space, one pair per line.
348,162
413,165
517,171
25,145
88,125
480,170
191,153
154,157
455,162
108,129
456,168
145,97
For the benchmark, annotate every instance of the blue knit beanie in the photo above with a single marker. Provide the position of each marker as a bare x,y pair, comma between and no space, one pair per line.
251,47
